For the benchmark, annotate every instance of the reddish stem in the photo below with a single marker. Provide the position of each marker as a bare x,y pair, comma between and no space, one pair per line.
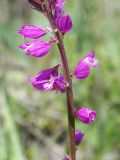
69,92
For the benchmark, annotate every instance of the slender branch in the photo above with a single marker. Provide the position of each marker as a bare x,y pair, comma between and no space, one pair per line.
69,93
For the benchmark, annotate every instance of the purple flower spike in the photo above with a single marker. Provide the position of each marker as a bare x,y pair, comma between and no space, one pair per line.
65,24
31,31
36,48
48,80
82,70
86,115
78,137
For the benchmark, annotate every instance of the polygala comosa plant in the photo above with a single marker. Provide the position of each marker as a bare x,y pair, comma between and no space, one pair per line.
58,78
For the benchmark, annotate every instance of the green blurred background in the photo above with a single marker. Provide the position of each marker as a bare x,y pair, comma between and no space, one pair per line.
33,124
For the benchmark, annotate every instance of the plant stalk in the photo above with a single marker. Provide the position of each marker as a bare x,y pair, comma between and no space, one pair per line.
69,92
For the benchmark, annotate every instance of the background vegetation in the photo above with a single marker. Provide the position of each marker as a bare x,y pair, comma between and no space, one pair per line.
33,124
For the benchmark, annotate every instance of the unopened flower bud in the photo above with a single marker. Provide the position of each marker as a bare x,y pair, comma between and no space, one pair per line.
65,24
78,137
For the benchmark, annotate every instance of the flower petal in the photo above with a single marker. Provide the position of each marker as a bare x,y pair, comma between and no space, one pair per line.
91,59
32,31
46,74
82,70
44,80
60,3
86,115
65,23
59,84
36,48
58,14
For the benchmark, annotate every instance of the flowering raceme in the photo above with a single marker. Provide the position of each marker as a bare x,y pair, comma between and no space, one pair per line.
86,115
51,79
48,80
82,70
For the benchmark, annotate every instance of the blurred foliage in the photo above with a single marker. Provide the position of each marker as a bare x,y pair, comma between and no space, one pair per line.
34,124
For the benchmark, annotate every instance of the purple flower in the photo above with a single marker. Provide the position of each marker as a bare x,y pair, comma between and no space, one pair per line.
36,48
48,80
31,31
82,70
65,24
44,80
78,137
86,115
